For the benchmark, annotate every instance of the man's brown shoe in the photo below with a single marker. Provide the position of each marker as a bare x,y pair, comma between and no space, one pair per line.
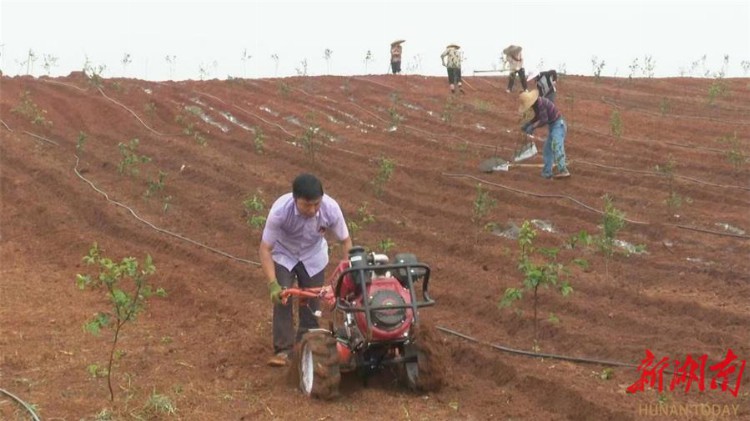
562,175
279,360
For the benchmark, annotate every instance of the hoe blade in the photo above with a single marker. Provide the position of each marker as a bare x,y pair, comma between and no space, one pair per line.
494,164
525,152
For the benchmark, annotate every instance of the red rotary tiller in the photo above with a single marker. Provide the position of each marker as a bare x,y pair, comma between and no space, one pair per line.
374,322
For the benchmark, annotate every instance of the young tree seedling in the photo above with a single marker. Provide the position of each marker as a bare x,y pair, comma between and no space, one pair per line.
548,272
364,217
258,140
615,124
127,289
254,211
674,200
613,220
481,207
385,171
28,108
130,159
598,66
245,58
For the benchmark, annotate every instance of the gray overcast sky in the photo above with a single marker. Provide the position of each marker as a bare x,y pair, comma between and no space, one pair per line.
214,36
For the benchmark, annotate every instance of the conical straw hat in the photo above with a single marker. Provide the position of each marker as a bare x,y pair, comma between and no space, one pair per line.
512,50
526,100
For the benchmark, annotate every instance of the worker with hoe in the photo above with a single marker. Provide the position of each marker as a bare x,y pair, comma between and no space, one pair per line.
396,56
546,113
514,60
452,60
293,246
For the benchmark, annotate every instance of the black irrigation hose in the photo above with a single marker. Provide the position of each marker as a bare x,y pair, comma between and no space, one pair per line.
41,138
542,195
263,120
364,79
537,354
115,102
360,155
425,132
417,129
135,215
365,157
65,84
707,231
578,202
633,139
210,96
445,174
131,112
6,126
653,173
24,404
692,117
162,230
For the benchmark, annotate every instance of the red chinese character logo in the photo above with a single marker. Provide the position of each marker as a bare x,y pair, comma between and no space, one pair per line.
650,373
724,370
686,373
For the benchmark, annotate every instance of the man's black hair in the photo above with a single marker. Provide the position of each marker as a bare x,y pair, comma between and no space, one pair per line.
307,186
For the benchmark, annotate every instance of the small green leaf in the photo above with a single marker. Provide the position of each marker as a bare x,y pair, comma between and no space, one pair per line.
511,294
92,369
119,297
82,281
550,253
553,319
148,265
582,263
106,263
95,325
130,266
566,289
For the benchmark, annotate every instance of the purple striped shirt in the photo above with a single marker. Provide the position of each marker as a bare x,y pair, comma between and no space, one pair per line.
296,238
545,112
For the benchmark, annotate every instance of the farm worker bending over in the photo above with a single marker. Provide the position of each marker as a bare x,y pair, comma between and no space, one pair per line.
452,60
546,83
514,58
546,113
294,246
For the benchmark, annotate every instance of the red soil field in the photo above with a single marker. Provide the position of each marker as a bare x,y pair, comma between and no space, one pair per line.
205,345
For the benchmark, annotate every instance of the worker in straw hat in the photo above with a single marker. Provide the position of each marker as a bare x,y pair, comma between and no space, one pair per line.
546,113
452,60
396,56
514,60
